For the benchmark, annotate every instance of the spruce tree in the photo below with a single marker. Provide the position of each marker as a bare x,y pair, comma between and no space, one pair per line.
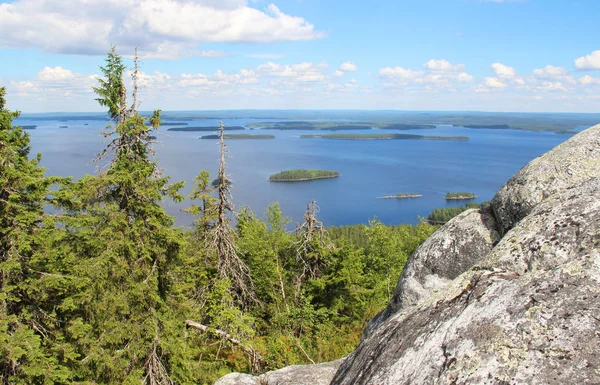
31,283
129,311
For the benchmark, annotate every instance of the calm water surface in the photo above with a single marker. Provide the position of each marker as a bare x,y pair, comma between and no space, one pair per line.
369,169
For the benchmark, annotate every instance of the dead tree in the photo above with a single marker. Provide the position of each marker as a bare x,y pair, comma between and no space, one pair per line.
311,241
229,264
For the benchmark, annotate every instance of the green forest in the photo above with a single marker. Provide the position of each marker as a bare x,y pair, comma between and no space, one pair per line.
97,285
302,175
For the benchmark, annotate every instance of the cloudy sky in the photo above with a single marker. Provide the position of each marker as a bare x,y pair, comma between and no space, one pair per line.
490,55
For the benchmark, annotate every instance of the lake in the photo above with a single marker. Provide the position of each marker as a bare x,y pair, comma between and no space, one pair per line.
369,169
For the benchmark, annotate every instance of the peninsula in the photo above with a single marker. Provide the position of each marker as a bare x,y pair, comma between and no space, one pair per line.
302,175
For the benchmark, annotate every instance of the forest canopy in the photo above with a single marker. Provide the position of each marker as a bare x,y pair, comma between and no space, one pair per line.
105,289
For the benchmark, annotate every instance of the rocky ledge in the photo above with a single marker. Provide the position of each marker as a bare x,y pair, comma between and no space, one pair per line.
505,295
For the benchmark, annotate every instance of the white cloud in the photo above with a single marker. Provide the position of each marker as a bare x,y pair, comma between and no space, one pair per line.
160,28
505,72
348,67
438,74
589,62
443,65
338,73
213,54
588,80
302,72
494,83
550,72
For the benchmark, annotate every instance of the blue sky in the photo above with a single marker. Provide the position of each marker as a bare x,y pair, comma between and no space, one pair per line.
495,55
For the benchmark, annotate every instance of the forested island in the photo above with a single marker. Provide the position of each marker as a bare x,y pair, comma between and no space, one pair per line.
228,128
29,127
401,196
460,196
302,175
382,137
239,136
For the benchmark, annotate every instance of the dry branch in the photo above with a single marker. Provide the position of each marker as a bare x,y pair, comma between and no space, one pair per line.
257,362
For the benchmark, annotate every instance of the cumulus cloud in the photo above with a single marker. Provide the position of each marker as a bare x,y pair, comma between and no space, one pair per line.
348,67
159,28
589,62
494,83
302,72
437,74
588,80
443,65
507,73
56,82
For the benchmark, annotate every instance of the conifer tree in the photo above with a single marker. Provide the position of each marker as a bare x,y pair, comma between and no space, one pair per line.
128,248
30,286
229,264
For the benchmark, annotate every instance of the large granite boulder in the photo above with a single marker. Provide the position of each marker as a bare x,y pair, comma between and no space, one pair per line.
449,252
529,313
571,162
504,295
320,374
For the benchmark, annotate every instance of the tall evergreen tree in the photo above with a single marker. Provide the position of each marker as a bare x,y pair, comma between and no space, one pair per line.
128,249
30,284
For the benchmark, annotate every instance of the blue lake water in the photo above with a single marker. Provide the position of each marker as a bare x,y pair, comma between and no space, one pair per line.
369,169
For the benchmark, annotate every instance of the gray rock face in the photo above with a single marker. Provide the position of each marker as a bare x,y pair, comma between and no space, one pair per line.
529,313
508,295
449,252
571,162
320,374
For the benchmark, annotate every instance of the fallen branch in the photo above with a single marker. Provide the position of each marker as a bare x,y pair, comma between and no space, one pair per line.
257,362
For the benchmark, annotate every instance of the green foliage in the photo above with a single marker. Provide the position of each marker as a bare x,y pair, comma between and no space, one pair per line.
31,286
100,292
460,195
444,214
300,175
111,90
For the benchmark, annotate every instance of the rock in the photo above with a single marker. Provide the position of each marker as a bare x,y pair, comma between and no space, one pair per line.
449,252
527,314
238,379
505,295
319,374
566,165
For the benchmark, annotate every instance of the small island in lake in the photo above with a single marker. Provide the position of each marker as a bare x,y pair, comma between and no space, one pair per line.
30,127
401,196
239,136
460,196
302,175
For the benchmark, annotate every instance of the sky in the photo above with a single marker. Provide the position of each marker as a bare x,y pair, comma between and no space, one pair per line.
475,55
